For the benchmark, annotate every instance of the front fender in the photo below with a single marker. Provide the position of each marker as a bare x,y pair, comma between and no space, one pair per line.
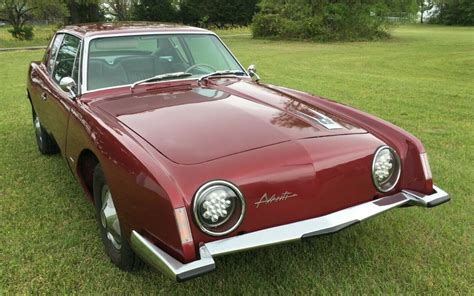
144,191
407,145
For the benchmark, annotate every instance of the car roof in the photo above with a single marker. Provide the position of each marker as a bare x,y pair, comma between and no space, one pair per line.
104,29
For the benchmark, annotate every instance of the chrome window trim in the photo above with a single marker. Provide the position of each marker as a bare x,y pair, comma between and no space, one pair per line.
79,74
78,59
399,169
203,189
88,39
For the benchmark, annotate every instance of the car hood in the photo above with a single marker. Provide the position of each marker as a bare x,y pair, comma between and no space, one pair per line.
191,123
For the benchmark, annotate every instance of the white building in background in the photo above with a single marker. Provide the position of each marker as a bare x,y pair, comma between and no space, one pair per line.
428,14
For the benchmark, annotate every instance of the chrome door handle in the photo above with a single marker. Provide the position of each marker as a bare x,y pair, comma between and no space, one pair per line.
44,96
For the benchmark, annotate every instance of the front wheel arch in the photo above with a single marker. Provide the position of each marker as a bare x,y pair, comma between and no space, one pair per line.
119,251
86,163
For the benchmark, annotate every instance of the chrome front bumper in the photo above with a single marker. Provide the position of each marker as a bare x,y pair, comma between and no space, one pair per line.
280,234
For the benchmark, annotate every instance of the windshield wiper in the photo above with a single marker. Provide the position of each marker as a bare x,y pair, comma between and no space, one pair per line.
161,77
218,73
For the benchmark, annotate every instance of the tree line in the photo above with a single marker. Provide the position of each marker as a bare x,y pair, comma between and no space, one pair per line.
205,13
342,20
303,19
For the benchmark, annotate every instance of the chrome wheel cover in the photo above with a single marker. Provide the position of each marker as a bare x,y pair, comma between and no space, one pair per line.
109,218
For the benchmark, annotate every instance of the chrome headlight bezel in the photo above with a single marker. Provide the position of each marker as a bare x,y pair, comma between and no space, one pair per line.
392,180
235,217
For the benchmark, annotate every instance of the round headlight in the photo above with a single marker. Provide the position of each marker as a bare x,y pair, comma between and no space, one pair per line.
385,169
218,208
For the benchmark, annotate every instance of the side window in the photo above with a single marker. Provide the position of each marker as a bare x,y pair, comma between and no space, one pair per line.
66,58
52,53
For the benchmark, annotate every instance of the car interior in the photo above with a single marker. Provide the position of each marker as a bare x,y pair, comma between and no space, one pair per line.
115,62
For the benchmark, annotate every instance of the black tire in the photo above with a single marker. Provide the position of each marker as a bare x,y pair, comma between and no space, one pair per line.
46,144
122,256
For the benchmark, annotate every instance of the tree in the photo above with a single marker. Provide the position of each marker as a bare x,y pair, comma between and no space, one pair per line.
17,13
217,12
424,5
84,11
154,10
121,10
50,10
454,12
407,6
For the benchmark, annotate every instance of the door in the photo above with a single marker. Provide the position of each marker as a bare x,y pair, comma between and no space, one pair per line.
40,76
56,102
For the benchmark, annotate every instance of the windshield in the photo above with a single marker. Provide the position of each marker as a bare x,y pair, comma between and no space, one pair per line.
124,60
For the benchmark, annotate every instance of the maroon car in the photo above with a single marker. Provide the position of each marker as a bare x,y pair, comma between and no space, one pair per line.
187,156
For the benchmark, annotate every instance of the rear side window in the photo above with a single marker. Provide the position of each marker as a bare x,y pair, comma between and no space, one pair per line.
66,58
54,50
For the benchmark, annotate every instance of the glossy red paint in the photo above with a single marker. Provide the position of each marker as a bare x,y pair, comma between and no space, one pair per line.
202,116
161,142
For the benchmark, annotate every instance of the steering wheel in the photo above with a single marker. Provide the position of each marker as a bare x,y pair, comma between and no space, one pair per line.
200,65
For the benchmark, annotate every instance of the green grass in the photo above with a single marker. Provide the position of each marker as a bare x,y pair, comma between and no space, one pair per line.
41,38
421,80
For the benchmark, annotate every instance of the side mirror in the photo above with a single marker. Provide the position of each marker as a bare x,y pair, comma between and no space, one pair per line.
253,72
68,85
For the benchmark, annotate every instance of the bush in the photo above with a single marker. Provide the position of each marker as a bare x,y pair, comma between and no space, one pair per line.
267,25
22,33
455,12
320,20
217,13
152,10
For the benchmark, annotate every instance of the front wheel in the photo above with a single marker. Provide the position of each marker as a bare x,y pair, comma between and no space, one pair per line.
116,246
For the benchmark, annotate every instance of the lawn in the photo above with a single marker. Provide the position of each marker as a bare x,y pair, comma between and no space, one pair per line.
42,36
421,80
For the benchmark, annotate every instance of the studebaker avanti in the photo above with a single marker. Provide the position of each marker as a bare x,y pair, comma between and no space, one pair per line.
187,156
